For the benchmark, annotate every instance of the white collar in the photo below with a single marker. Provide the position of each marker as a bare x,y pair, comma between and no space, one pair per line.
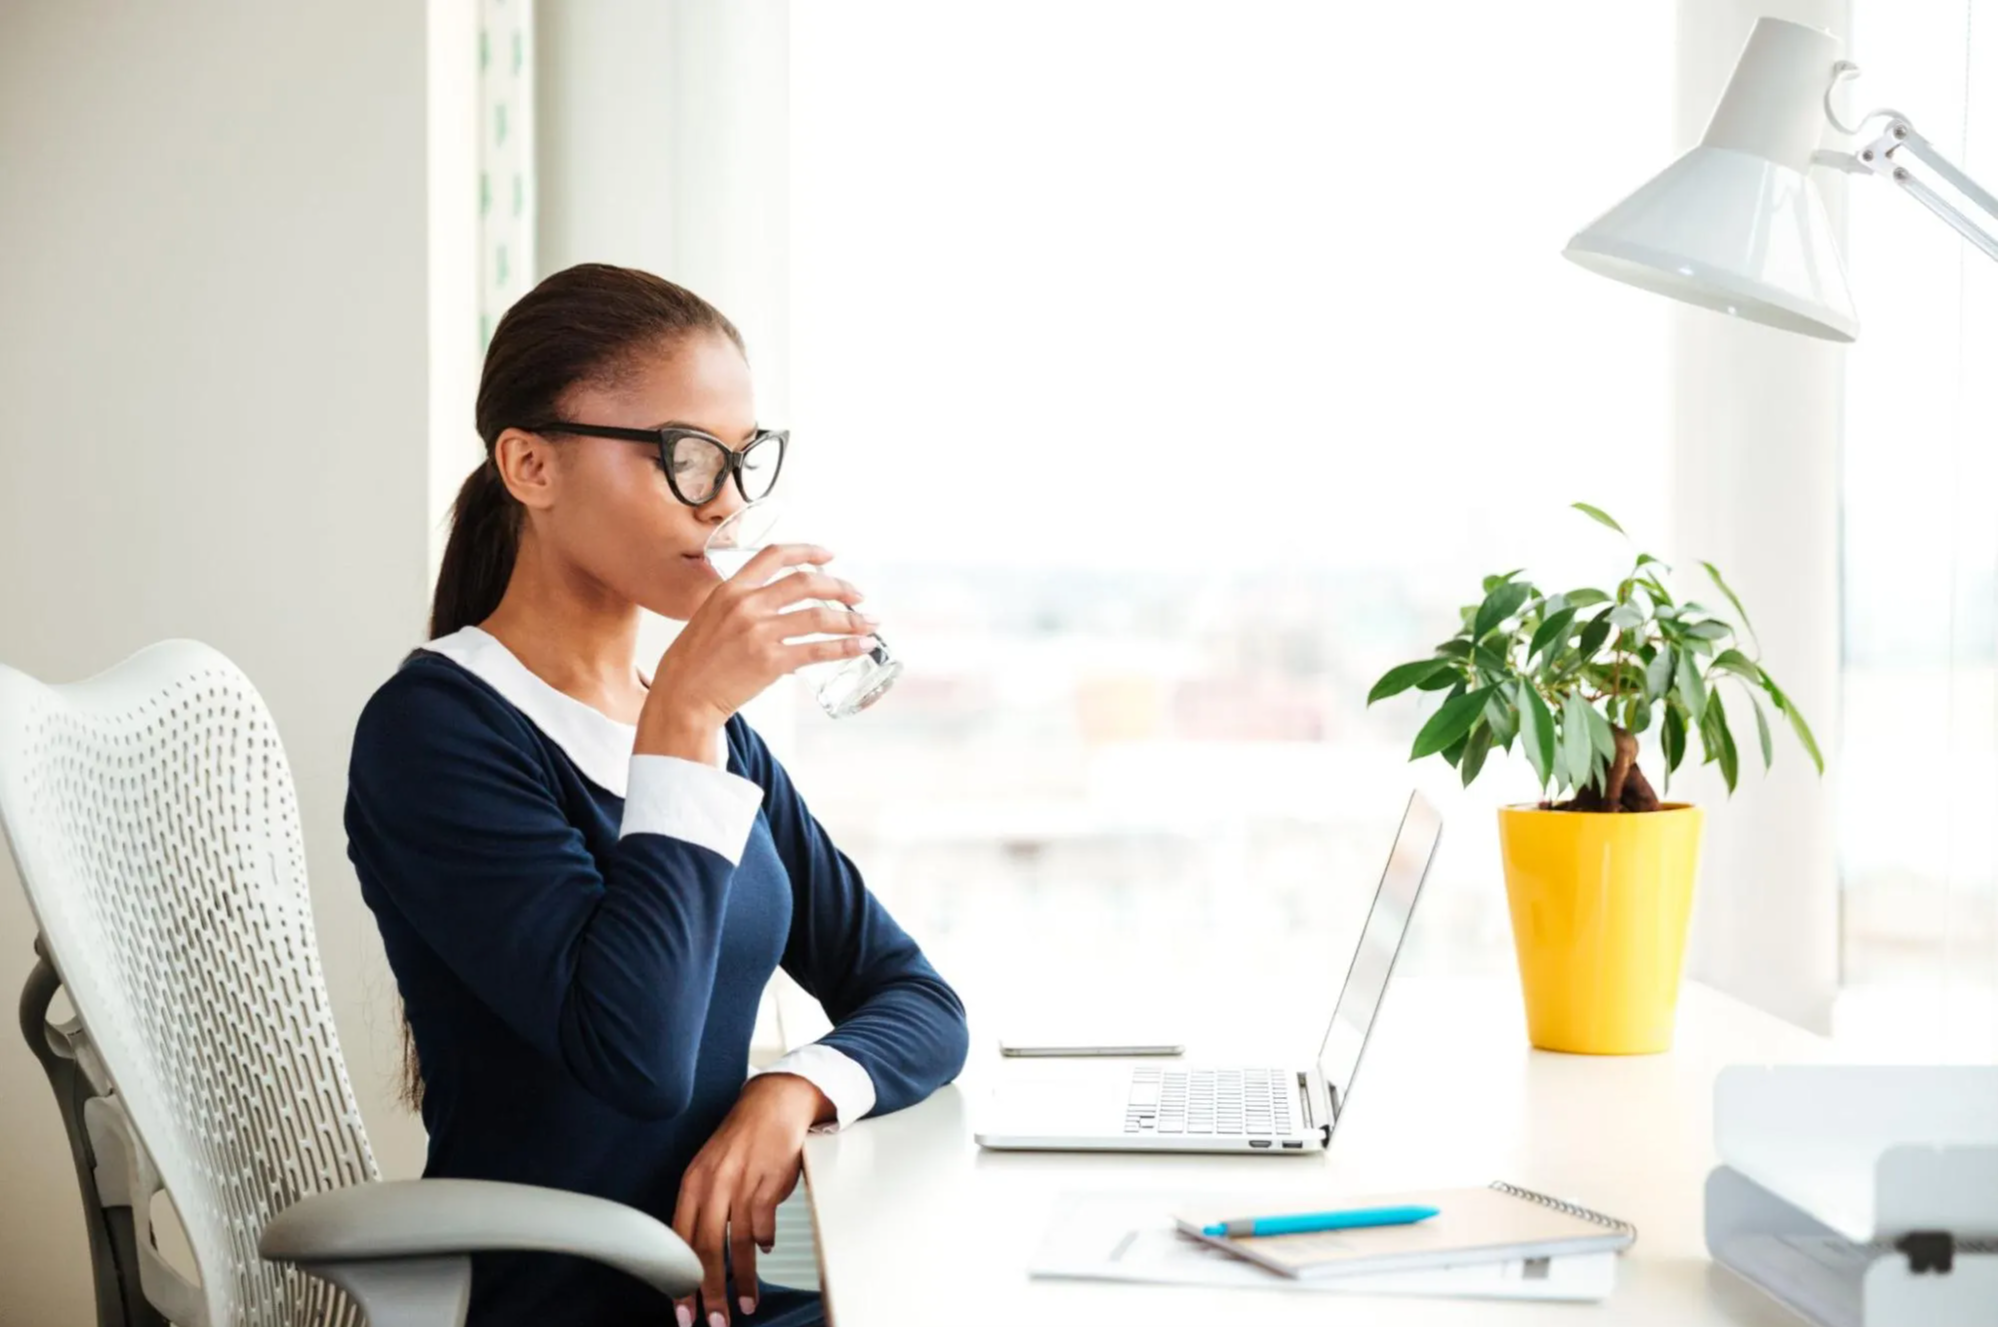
598,745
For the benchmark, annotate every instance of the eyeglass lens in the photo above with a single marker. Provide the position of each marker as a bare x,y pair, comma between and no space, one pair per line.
700,465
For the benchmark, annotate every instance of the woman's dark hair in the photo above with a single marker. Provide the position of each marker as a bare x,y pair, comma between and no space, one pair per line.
586,325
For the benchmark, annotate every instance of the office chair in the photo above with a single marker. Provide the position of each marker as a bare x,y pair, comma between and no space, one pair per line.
150,812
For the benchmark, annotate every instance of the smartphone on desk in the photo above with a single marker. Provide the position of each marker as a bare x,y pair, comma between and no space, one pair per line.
1031,1042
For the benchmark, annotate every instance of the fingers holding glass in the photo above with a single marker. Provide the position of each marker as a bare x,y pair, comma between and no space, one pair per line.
850,679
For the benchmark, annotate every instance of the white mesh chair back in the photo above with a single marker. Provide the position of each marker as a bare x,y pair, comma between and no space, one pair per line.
151,813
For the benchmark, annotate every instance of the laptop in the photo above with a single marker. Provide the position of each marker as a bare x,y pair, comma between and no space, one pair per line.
1276,1110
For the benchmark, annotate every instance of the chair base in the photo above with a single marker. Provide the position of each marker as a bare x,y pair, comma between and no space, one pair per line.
114,1254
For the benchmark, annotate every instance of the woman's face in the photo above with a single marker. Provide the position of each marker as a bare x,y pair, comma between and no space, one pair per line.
605,504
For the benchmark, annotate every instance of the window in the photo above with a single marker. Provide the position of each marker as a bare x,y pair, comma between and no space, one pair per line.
1163,380
1919,842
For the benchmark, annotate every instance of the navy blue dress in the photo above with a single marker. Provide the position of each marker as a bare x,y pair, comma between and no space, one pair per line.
582,999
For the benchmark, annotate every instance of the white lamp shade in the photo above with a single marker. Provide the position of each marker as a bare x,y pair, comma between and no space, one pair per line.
1734,225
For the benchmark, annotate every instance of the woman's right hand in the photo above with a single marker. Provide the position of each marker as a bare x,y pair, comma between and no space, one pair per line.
736,645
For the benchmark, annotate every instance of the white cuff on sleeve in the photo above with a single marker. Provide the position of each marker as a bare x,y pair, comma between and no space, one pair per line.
835,1073
696,803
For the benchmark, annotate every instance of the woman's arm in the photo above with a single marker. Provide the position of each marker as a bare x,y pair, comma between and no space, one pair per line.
451,814
893,1016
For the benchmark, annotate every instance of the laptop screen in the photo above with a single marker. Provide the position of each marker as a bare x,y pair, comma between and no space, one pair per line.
1380,940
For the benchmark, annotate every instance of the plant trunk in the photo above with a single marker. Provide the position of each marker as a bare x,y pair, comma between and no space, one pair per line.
1638,794
1625,786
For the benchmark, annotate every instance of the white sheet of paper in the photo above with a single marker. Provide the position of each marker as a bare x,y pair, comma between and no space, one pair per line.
1130,1237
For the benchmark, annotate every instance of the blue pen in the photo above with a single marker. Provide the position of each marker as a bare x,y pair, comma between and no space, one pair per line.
1307,1222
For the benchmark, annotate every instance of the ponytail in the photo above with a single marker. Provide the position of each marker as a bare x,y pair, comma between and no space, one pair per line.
478,560
479,556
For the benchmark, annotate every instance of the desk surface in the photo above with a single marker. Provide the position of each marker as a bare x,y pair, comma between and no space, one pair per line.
919,1226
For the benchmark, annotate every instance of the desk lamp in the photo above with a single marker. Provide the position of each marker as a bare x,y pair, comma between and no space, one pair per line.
1737,225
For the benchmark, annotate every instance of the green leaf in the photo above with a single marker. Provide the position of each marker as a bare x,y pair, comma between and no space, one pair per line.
1735,661
1638,715
1659,673
1717,720
1501,716
1450,723
1709,630
1594,635
1600,735
1673,736
1740,611
1619,675
1455,648
1492,661
1477,747
1762,728
1445,678
1597,514
1494,582
1626,616
1646,559
1692,692
1583,598
1403,676
1454,751
1659,594
1798,724
1537,727
1576,746
1804,732
1552,632
1502,603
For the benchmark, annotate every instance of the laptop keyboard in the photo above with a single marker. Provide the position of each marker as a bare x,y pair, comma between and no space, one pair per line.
1254,1103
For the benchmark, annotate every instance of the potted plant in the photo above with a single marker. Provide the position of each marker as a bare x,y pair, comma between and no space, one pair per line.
1600,874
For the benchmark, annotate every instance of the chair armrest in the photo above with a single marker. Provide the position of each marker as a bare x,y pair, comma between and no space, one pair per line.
408,1219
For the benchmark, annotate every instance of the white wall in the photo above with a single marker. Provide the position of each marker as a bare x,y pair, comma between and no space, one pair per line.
213,370
604,114
1756,425
456,245
663,143
662,135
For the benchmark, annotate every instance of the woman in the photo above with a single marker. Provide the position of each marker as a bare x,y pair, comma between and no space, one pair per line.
583,878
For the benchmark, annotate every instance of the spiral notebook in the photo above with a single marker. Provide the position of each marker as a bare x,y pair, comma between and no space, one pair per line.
1495,1224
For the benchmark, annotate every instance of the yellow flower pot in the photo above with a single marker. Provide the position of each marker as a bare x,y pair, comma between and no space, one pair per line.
1600,906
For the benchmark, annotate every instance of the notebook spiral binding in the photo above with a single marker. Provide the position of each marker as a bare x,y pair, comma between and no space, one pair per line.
1570,1209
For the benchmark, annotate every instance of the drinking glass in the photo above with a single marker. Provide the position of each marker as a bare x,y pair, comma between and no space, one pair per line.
842,687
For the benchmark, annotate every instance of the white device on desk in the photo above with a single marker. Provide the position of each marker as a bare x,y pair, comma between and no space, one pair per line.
1876,1212
1023,1045
1199,1108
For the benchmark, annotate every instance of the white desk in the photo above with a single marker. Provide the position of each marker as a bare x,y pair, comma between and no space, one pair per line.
918,1227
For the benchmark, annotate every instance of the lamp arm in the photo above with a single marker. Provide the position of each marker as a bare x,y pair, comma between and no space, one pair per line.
1841,71
1901,137
1898,141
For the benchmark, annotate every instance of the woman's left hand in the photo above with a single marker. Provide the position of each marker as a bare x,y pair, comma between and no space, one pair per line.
731,1190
